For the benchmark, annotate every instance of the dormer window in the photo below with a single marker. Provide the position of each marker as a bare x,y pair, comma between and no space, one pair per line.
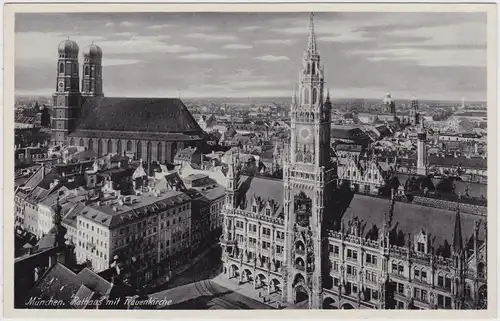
268,212
421,247
254,208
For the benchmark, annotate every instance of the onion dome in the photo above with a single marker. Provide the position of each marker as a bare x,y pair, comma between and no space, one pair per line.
93,51
68,48
387,98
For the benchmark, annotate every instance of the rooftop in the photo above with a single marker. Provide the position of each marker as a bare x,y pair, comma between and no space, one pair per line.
113,215
138,115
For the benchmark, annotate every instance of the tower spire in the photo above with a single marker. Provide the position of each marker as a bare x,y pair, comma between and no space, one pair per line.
457,235
311,46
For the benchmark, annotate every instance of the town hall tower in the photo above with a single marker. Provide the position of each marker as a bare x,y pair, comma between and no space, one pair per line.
309,180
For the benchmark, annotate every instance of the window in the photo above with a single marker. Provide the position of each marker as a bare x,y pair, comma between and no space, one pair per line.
423,295
447,302
351,270
336,250
266,245
421,247
335,281
266,231
401,288
254,209
374,294
371,259
417,274
394,268
440,281
440,301
423,275
416,293
279,249
268,212
447,283
400,269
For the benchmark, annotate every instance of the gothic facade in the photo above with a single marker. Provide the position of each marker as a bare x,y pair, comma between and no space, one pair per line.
320,246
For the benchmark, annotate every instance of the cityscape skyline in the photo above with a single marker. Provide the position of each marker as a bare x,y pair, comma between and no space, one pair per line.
430,56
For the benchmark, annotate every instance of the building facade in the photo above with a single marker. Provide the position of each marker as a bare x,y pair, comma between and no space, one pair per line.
320,246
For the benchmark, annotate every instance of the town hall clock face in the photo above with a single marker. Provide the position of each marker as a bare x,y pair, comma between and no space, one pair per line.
305,134
61,85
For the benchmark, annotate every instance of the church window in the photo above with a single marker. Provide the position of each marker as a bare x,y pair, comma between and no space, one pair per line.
110,146
148,151
99,147
86,70
315,94
61,68
159,152
119,147
173,149
129,146
139,150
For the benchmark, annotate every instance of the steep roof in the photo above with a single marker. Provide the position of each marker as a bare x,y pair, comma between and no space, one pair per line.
264,188
62,284
168,115
410,218
59,283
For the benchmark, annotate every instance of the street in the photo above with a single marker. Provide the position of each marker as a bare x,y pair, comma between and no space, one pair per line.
195,290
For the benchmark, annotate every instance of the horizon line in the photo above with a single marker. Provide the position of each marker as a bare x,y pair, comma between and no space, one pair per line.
261,97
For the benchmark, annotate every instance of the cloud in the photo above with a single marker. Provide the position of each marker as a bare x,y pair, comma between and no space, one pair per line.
143,44
428,57
118,62
212,37
109,24
236,46
204,56
272,58
127,23
471,33
276,41
345,37
125,34
249,28
45,45
160,26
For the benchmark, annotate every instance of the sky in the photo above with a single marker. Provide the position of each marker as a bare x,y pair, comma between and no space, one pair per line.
193,55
